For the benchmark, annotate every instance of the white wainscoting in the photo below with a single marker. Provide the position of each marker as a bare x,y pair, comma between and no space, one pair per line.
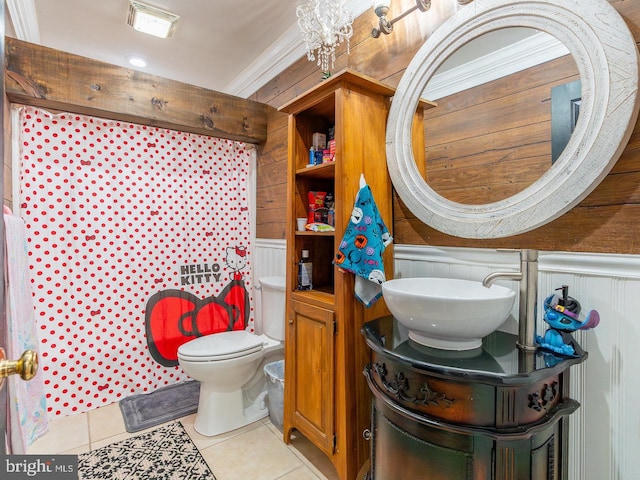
604,435
269,259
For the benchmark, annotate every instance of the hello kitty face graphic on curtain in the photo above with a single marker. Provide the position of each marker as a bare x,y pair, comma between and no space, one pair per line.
236,261
174,317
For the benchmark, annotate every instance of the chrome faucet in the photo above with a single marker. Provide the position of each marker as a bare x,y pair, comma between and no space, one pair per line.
528,278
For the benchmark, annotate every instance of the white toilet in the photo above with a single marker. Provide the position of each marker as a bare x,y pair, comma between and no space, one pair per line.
230,366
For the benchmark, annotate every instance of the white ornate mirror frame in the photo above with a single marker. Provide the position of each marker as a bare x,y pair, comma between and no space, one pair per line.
607,59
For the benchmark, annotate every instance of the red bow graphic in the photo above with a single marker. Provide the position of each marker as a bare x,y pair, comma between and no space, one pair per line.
174,317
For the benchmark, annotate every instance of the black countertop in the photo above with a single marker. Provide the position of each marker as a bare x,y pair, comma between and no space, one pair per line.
498,361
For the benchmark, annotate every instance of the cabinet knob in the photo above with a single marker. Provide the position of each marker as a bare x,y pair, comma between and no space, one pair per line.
366,434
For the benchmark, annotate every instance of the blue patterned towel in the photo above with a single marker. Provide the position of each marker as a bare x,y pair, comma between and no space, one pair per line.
362,245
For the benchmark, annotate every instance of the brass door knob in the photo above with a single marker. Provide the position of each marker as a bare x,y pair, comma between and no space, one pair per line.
26,366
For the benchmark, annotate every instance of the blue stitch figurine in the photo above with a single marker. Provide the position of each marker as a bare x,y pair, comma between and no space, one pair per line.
563,316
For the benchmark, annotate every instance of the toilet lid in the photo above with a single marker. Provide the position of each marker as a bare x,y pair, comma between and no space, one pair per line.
220,346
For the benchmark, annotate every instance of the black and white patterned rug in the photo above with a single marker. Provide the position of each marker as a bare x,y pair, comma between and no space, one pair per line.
166,453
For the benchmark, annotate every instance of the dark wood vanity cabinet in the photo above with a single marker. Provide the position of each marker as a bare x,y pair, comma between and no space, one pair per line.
491,413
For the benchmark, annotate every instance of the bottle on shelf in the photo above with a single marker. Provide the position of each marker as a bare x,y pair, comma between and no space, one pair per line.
305,272
312,157
331,217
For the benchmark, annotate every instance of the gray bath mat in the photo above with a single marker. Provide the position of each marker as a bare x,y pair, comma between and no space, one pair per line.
165,404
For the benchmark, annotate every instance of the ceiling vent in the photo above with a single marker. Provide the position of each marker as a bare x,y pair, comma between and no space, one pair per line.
151,20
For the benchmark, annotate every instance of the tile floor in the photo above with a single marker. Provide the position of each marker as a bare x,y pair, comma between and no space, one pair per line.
226,454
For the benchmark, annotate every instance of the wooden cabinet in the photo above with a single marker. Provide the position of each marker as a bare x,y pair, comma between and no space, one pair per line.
494,412
326,395
311,344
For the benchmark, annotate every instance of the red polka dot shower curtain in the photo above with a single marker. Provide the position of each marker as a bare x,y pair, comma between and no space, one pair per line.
139,240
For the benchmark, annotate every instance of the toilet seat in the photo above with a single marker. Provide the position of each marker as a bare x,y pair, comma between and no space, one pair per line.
220,346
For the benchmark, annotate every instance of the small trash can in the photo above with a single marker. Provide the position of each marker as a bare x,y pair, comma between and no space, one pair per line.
275,392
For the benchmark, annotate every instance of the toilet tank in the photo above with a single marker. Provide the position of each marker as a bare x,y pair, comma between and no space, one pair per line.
273,307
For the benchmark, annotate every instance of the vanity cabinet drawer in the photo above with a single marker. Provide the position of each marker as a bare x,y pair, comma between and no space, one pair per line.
465,403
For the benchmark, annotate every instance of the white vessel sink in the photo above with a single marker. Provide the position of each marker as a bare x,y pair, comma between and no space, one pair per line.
447,313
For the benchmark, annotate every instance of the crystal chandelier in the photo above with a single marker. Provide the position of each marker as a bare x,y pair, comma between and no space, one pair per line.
325,24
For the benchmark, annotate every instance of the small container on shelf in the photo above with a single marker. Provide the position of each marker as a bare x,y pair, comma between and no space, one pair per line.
331,217
317,211
331,143
332,150
319,141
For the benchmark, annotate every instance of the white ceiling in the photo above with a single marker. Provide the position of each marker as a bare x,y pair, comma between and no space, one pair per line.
231,46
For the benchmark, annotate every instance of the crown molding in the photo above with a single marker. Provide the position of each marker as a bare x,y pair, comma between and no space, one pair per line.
288,49
281,54
24,20
527,53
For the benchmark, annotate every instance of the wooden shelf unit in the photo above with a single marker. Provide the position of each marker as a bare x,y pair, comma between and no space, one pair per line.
326,394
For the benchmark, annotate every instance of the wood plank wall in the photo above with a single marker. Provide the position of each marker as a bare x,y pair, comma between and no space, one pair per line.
490,142
607,221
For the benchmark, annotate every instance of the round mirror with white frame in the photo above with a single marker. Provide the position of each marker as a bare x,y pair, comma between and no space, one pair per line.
607,59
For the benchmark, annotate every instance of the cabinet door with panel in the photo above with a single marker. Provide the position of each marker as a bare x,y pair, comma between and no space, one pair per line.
310,333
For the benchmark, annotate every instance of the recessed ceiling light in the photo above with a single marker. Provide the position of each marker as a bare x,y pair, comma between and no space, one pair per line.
151,20
137,62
